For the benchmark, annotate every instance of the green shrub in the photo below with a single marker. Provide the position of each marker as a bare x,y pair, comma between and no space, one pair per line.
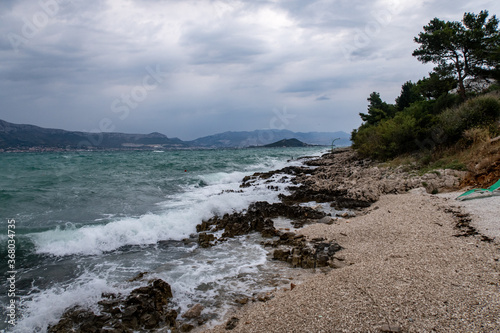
480,112
389,138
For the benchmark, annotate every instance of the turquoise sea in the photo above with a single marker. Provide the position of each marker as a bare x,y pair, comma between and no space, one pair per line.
88,222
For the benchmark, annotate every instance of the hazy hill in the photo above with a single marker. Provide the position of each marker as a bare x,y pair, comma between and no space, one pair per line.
23,137
26,136
264,137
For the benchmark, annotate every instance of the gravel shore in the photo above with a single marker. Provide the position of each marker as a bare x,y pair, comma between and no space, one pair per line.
405,271
485,213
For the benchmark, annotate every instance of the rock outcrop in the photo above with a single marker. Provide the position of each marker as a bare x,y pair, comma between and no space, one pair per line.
297,251
257,218
347,181
145,308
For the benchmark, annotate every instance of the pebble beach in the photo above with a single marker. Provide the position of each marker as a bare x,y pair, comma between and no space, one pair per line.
405,271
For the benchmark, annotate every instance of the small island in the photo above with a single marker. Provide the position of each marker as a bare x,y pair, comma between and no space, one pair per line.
287,143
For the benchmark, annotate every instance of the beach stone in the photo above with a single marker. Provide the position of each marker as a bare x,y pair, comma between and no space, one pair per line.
231,323
186,327
336,263
242,301
326,220
281,254
390,328
193,312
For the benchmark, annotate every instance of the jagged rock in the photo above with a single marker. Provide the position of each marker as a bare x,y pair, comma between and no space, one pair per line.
349,182
300,253
138,277
289,170
255,219
205,239
281,255
143,309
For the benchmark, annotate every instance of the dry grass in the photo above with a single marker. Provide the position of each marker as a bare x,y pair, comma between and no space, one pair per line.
477,153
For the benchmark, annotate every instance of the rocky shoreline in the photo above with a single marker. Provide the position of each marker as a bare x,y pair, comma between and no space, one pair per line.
411,261
339,179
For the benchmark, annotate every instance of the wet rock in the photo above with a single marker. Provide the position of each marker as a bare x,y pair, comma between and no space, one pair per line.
264,297
242,301
205,239
289,170
281,255
138,277
300,253
231,323
193,312
186,327
145,308
257,218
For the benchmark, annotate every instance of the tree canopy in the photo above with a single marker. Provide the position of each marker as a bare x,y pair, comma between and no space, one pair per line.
377,110
463,50
431,113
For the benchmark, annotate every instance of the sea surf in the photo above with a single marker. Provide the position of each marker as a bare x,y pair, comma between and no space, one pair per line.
87,223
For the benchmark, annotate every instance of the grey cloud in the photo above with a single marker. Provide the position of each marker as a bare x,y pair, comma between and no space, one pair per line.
227,71
323,98
222,46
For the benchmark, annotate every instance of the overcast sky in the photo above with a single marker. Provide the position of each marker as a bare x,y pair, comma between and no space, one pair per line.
194,68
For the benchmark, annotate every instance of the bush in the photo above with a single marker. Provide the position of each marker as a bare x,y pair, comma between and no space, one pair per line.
389,138
481,112
476,135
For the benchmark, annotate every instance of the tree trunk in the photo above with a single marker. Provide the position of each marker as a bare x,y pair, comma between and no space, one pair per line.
461,78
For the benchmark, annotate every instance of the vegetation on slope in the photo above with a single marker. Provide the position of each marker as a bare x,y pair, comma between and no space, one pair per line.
449,118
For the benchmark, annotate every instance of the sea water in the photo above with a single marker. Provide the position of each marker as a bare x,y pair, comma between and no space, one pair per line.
87,223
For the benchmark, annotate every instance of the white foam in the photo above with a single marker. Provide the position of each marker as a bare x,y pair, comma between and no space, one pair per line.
215,270
91,240
182,213
46,307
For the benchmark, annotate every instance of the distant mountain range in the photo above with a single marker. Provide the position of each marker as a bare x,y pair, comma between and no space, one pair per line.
265,137
30,137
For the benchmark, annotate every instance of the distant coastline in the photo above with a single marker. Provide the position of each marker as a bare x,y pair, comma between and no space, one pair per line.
30,138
